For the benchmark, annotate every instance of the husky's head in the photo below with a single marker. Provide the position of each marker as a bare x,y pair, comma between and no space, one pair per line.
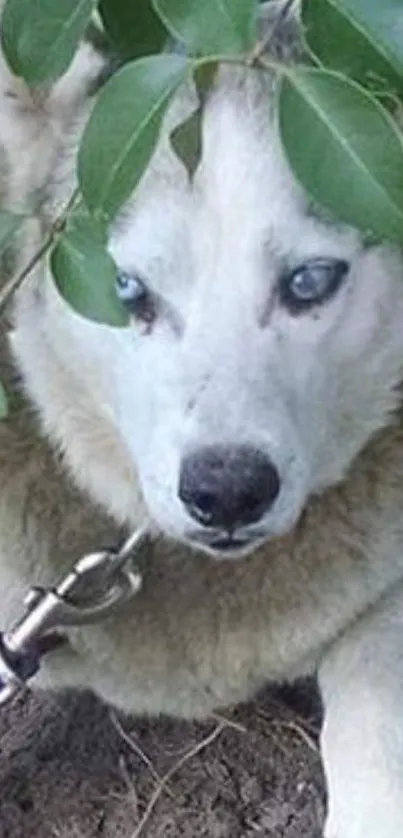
264,348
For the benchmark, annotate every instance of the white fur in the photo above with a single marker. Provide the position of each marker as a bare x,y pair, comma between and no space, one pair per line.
311,392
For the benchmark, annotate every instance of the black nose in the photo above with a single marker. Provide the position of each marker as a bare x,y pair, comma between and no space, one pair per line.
228,487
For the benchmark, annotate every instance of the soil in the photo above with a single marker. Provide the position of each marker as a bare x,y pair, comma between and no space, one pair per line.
70,767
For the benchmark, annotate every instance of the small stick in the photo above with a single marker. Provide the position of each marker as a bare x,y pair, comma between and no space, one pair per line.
57,225
264,44
168,776
137,749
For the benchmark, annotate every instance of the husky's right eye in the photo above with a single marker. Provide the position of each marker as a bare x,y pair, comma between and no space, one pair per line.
312,283
137,298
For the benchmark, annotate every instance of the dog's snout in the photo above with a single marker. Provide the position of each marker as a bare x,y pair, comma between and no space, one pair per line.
227,486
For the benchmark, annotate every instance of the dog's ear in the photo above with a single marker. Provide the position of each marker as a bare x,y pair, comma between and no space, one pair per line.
282,20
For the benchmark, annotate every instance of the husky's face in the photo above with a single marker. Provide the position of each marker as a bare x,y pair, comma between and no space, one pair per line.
264,345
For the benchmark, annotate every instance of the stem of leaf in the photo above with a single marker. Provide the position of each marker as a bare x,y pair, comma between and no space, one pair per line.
56,227
256,57
264,44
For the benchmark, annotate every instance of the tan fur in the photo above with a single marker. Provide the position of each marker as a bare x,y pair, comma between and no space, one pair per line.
202,634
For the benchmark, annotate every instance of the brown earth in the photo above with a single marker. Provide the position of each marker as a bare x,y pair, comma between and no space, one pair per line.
70,768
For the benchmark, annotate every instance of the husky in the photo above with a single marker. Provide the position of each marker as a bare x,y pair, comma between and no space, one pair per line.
251,410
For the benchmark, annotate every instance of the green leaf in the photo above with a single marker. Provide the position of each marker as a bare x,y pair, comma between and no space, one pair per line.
40,37
133,27
211,27
362,38
85,273
186,138
9,224
3,402
204,76
186,141
344,148
123,130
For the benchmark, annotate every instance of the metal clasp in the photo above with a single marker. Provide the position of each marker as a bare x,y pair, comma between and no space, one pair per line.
99,585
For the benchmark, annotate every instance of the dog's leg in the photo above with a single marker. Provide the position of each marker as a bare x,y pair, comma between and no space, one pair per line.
362,740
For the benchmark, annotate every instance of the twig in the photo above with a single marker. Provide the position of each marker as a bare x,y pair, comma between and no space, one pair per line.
57,225
240,728
136,748
260,48
273,735
168,776
129,783
14,283
307,738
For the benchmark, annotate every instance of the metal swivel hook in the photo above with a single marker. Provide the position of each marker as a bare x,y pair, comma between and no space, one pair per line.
99,585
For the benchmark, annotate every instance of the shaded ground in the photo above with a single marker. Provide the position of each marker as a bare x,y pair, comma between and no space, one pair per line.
69,768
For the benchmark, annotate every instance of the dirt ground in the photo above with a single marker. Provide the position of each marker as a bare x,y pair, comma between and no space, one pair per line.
70,768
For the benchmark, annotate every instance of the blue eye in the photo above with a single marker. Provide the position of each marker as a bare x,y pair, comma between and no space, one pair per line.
140,301
130,287
312,283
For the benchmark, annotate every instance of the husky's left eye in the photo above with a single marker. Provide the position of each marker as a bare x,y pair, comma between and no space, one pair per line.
140,301
312,283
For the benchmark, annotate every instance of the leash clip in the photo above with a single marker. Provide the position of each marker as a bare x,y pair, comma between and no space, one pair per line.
99,585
